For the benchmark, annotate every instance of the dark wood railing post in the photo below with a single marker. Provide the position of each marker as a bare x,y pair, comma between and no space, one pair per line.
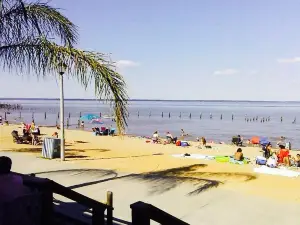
109,214
98,216
139,214
47,207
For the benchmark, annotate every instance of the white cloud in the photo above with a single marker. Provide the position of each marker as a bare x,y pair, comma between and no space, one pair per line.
226,72
289,60
126,64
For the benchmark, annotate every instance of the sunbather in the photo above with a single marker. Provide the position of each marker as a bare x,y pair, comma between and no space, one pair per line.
239,155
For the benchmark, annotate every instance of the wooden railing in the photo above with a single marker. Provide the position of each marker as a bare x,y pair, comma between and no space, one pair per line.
143,213
49,187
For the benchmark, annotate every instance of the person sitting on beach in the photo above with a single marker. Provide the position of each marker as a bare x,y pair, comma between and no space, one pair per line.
32,127
239,140
36,131
11,185
239,155
283,156
170,138
55,135
296,160
267,150
96,130
155,137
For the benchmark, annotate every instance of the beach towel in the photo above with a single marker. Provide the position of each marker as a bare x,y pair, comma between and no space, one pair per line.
245,161
222,158
276,171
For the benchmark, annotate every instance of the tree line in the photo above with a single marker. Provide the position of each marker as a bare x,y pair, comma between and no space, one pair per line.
6,106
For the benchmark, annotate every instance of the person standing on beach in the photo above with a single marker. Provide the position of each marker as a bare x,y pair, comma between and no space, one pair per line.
183,133
82,125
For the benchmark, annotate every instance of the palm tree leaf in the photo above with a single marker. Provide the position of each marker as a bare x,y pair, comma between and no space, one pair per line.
19,19
44,57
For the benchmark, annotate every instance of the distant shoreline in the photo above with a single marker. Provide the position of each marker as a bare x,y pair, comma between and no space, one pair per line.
142,100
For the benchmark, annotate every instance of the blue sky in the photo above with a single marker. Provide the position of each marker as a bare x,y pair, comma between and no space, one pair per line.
185,49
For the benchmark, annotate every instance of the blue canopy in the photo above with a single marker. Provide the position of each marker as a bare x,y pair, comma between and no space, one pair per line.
264,141
89,117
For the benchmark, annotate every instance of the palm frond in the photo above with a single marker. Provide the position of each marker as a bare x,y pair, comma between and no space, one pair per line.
43,57
19,19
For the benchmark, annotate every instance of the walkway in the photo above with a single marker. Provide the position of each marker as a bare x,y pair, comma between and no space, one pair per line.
217,206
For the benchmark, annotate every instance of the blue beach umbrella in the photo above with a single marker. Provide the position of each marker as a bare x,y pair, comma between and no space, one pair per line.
89,117
264,141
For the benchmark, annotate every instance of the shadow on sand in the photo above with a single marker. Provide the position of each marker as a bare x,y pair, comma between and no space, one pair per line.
161,181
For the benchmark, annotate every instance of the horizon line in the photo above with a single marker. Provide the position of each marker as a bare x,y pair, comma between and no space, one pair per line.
150,100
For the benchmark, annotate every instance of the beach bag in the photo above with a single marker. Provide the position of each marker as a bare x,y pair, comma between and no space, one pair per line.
261,160
178,143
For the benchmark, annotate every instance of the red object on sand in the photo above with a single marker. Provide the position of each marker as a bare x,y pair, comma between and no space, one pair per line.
178,143
255,140
148,141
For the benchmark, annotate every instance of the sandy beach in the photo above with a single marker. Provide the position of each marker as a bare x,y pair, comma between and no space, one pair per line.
134,155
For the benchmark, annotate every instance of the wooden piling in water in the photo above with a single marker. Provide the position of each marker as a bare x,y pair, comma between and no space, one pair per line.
79,114
68,124
190,115
20,115
100,114
162,114
69,115
32,116
200,116
221,117
150,114
58,115
169,115
45,116
180,115
5,116
138,114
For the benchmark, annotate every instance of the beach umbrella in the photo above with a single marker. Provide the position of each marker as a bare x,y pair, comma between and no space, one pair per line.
264,140
89,117
97,121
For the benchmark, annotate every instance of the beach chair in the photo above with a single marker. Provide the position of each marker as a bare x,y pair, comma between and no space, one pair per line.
16,138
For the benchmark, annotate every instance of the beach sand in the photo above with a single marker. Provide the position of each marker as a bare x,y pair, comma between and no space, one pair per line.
134,155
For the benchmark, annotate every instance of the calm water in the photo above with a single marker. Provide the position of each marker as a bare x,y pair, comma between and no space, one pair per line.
213,129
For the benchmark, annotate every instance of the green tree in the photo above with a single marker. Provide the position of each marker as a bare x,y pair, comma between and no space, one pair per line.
36,38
